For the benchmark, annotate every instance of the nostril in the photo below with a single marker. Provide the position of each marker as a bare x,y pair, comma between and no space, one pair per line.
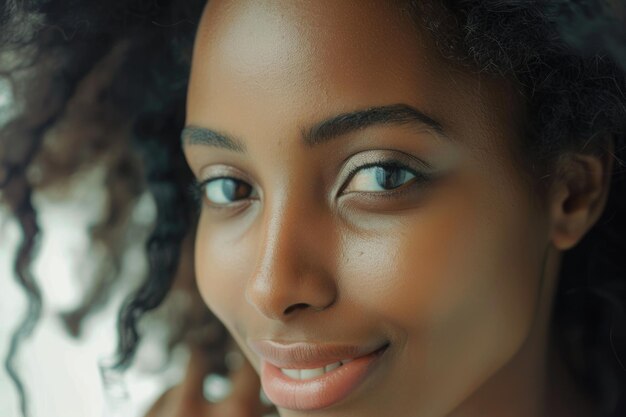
295,307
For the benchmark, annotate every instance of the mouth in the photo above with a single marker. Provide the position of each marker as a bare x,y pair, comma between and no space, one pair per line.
306,374
309,377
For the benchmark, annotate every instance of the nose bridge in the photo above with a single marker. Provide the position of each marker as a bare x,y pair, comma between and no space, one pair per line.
290,273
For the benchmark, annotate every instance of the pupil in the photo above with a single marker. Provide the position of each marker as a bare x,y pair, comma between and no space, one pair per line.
389,178
232,189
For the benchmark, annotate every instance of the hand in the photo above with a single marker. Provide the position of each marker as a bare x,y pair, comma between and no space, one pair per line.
186,399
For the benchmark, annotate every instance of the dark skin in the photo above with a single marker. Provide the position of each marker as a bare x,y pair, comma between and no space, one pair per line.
457,270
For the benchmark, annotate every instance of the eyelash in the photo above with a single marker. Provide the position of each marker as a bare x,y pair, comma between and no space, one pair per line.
420,177
197,192
197,188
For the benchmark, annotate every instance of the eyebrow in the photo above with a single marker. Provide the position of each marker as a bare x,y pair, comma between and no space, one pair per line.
322,132
396,114
194,135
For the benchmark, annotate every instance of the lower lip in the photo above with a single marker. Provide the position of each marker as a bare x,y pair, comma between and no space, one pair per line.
319,392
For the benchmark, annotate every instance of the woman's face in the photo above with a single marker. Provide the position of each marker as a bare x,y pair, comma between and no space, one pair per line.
363,191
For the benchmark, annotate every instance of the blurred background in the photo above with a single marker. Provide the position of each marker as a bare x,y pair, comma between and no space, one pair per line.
61,374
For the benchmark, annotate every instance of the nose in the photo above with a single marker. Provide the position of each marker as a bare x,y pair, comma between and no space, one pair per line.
292,273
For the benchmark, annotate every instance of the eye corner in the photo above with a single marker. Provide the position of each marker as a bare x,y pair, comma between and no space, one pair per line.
231,202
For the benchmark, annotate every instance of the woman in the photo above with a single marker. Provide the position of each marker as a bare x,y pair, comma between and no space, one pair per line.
410,208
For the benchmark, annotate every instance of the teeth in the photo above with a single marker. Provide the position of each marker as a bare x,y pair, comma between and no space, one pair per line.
332,366
291,373
313,373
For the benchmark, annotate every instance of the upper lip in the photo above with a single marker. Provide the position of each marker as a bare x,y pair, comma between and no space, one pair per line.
303,355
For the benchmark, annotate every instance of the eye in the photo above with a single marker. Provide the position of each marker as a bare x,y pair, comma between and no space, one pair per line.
379,177
223,191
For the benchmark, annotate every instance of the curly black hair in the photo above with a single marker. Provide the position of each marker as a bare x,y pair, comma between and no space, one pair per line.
566,57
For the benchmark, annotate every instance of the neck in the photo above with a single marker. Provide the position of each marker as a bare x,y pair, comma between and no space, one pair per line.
564,397
535,382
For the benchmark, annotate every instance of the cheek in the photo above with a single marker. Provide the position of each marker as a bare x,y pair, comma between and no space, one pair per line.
460,276
464,249
219,270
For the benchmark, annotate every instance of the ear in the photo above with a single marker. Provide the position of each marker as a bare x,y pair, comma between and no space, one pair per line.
578,194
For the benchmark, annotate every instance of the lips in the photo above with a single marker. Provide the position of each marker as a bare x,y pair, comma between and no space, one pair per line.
310,376
302,355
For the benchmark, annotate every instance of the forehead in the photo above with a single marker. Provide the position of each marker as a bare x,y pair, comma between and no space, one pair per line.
285,50
285,64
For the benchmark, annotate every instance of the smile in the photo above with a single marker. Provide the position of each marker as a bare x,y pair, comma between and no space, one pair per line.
313,373
295,386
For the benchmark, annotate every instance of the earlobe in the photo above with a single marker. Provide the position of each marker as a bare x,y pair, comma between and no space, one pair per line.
578,195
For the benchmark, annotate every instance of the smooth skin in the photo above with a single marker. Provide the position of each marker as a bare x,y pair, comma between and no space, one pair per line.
455,264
